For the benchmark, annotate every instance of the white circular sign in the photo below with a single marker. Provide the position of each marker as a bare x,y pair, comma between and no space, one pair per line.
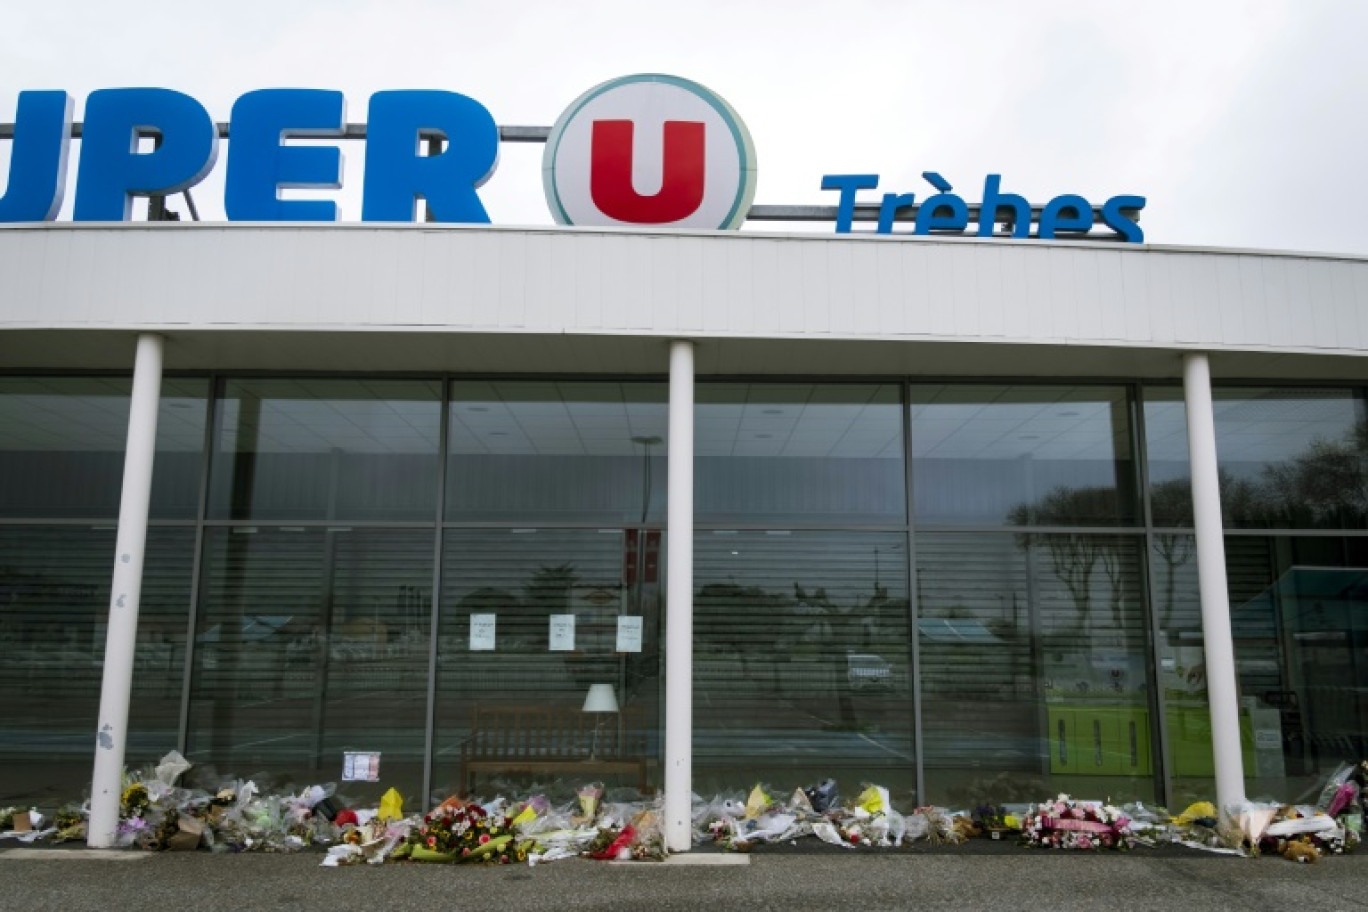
649,150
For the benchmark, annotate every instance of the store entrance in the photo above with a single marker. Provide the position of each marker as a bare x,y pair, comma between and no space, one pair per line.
549,660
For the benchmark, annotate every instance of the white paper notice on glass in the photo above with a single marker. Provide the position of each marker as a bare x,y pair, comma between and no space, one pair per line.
360,767
482,632
629,633
562,633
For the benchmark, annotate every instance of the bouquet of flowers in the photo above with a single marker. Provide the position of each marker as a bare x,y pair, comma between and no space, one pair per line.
134,801
465,833
991,820
639,840
1068,824
589,797
70,822
854,831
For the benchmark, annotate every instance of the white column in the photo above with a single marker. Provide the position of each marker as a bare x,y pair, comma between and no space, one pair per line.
679,602
125,592
1218,643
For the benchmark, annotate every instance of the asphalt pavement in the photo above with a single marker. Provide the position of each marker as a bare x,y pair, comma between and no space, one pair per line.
980,877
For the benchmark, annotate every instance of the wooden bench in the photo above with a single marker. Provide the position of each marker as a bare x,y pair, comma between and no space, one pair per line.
508,740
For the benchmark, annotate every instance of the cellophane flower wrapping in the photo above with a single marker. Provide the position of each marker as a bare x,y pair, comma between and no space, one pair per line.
741,824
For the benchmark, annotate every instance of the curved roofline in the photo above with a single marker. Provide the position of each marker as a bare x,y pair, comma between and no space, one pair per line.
638,231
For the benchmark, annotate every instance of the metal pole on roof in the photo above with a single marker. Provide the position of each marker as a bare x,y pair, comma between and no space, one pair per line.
1217,641
679,521
121,638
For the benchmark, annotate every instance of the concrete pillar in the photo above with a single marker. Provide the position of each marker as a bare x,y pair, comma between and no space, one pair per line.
1217,640
679,602
125,593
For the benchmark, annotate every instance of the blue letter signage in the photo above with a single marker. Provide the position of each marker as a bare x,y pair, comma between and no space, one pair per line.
156,142
947,212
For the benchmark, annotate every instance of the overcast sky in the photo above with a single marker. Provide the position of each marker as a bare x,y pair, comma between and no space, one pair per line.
1241,122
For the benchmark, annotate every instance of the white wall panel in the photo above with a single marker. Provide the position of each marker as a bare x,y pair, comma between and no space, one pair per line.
940,290
988,286
620,279
573,281
1278,279
906,300
1158,310
1180,290
1135,296
854,317
780,306
543,293
692,264
23,297
1298,273
1349,315
1087,297
662,284
1360,299
728,294
1063,320
1038,313
1330,321
964,292
1213,287
1106,287
815,293
579,266
1256,298
1232,309
1014,292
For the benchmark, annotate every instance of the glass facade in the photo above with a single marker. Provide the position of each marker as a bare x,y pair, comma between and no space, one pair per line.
802,659
1023,456
61,469
545,452
1033,666
311,642
963,591
1291,459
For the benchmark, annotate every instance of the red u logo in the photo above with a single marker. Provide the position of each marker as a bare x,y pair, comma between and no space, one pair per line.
681,176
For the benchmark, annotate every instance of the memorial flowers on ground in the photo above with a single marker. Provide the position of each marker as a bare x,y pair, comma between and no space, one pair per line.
236,816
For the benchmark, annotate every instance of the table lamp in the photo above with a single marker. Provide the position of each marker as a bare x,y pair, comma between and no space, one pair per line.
599,700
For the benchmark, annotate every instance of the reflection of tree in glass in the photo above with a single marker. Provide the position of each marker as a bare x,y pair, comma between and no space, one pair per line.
549,587
835,635
486,599
1074,556
1171,504
1325,485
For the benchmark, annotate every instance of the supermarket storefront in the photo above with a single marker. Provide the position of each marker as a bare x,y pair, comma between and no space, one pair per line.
949,549
974,517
